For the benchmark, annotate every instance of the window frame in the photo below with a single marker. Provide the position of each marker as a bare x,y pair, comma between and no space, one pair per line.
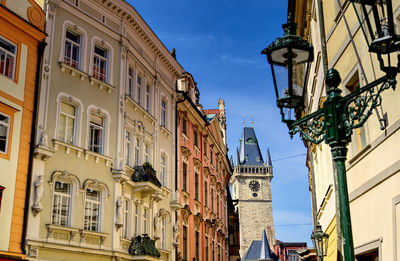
6,54
9,128
185,169
92,203
136,220
131,83
93,126
164,114
126,217
163,169
73,44
57,194
104,77
67,116
145,220
128,147
139,85
137,151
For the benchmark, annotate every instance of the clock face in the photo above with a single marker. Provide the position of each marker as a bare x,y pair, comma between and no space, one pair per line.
254,185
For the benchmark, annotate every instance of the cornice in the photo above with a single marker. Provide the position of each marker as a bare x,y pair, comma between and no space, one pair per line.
130,16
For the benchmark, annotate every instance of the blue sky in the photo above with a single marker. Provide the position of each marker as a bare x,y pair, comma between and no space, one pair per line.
219,42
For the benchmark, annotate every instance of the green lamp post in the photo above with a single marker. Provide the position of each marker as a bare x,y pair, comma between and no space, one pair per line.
334,123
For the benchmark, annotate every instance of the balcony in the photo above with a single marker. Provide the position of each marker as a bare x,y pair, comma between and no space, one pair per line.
144,246
144,180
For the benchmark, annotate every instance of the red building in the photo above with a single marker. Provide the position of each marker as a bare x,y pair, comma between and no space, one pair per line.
203,173
288,251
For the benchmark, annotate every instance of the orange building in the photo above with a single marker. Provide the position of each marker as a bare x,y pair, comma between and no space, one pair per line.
202,176
21,46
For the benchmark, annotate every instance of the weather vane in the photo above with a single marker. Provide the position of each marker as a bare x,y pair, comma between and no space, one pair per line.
244,122
252,121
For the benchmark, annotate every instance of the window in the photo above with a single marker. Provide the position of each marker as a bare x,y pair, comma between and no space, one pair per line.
185,243
213,250
126,219
72,49
66,124
196,138
197,245
212,157
148,100
92,210
100,63
293,256
207,253
217,205
184,126
5,121
128,147
61,204
139,90
7,58
131,86
146,153
359,138
205,147
1,194
163,113
96,133
163,177
206,193
137,151
196,186
136,220
145,220
184,176
212,199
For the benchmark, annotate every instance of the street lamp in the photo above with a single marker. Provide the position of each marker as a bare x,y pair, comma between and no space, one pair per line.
320,240
335,121
381,35
290,57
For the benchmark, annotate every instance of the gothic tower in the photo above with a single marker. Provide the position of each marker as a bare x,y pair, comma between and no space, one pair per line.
251,187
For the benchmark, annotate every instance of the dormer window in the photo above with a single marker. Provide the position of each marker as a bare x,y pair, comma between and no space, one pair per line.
250,141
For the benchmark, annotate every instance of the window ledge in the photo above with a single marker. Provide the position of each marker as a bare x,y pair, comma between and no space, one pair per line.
68,147
101,85
74,72
97,157
71,231
165,252
137,107
165,131
185,137
43,153
98,235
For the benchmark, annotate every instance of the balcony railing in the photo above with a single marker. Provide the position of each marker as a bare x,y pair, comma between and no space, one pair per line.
145,173
143,246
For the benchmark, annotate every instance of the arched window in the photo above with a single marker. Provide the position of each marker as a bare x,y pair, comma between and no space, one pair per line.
63,186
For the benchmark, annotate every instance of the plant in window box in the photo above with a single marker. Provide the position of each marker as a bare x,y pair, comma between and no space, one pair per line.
143,245
145,173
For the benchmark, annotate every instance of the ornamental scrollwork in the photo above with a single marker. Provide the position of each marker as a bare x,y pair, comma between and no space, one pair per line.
359,105
312,129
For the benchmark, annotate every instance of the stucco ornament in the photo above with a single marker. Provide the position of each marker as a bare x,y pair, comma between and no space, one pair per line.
44,140
120,204
38,194
156,224
176,233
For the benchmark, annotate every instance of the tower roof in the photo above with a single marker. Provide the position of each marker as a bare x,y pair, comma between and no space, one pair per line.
249,152
269,161
259,250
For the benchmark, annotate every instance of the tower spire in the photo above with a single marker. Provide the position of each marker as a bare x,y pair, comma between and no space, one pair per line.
269,161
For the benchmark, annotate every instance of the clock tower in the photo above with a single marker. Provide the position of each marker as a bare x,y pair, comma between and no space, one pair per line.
251,187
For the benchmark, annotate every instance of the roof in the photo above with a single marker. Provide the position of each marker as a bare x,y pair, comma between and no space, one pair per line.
211,111
259,250
249,151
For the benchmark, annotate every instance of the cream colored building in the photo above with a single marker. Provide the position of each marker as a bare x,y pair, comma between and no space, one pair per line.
107,106
373,164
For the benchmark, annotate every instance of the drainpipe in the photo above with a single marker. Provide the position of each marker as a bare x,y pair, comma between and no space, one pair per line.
40,51
321,23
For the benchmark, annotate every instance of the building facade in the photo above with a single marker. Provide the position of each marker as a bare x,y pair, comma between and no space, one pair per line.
372,165
251,187
21,46
203,173
102,178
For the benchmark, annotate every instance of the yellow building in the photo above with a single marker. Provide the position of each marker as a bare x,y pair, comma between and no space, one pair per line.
21,36
373,164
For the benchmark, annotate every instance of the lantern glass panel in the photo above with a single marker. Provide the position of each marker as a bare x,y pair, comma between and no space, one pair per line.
376,17
282,80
